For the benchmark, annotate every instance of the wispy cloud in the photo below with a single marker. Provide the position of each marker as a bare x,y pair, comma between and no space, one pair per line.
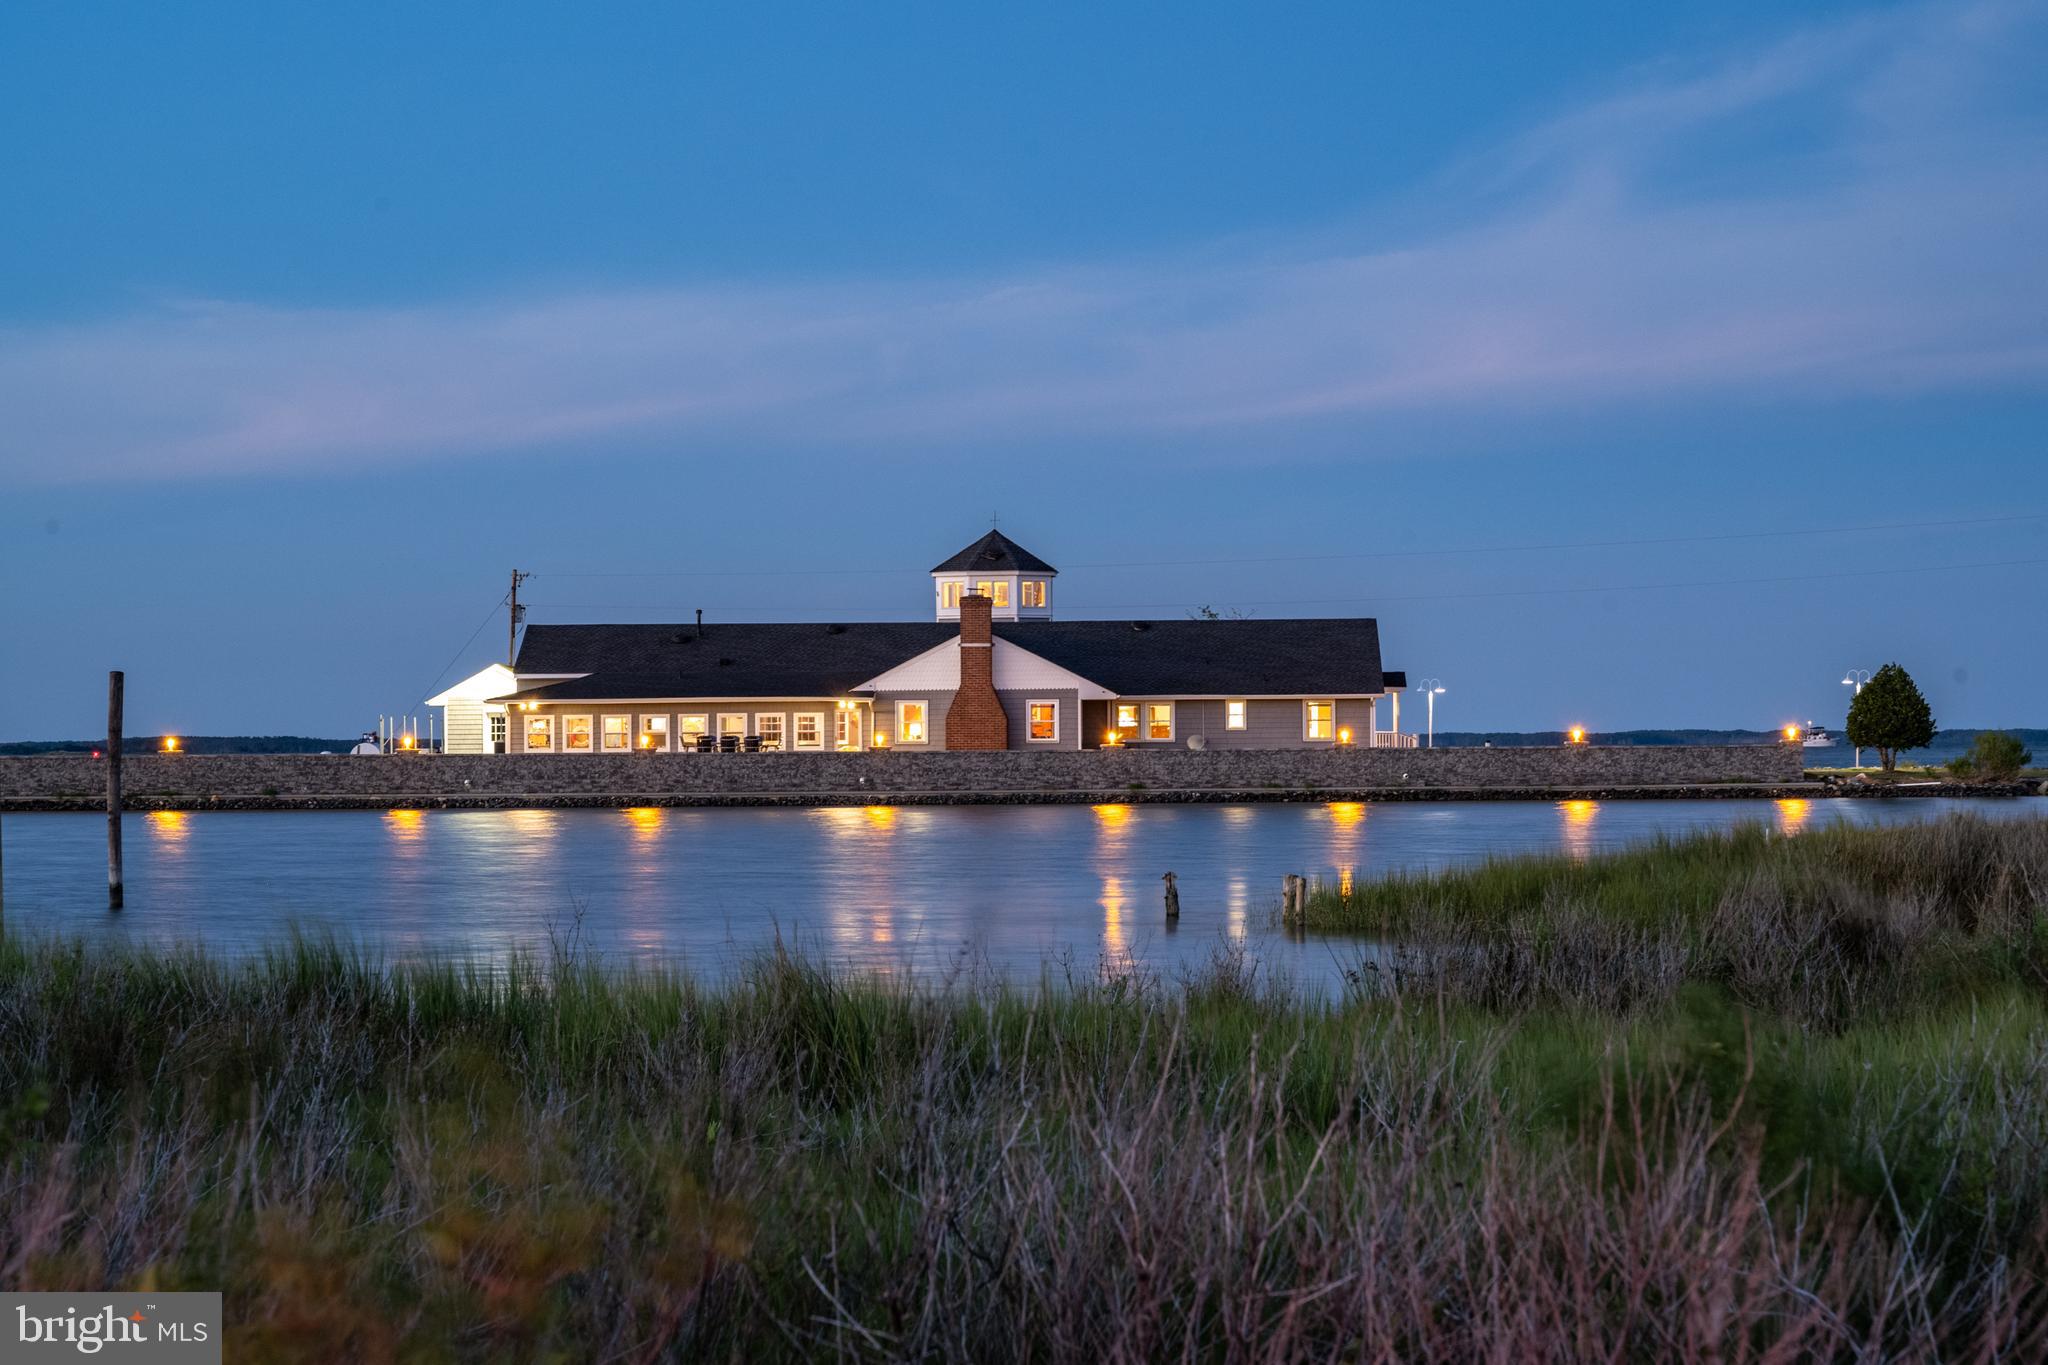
1855,209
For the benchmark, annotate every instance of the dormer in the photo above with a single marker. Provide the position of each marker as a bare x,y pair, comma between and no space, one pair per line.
1017,582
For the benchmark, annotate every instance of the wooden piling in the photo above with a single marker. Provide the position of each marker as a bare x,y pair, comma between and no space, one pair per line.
115,683
1172,896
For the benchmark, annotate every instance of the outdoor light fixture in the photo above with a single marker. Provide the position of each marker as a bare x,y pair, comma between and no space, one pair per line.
1791,734
1858,678
170,745
1432,688
1344,735
1575,735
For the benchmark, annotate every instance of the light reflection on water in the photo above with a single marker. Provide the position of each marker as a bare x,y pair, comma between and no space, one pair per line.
879,888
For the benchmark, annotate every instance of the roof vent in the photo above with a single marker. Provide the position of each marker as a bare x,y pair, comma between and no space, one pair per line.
1141,625
680,638
835,630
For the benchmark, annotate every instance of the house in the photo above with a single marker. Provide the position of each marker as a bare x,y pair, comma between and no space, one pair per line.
993,669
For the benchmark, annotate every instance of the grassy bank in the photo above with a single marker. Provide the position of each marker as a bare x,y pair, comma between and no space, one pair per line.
559,1163
1830,927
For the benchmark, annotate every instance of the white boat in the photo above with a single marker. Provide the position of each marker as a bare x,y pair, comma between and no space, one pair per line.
1817,737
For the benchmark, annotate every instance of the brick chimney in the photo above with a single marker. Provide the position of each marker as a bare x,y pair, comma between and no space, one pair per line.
975,720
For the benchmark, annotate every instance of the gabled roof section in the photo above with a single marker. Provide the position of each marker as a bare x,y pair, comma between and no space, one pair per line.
780,659
995,553
1327,656
491,682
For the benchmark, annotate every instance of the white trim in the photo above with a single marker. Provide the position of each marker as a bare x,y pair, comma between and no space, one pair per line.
667,731
1054,703
924,711
796,730
497,720
724,716
1306,726
1172,716
781,719
1013,668
526,733
682,730
589,719
486,685
626,733
1244,713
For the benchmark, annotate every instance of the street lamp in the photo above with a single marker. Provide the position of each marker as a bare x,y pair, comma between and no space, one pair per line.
1431,689
1858,678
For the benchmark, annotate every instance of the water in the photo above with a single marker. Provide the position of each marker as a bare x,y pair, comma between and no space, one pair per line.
881,889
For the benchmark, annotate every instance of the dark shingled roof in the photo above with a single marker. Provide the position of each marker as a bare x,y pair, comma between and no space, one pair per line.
1394,678
1132,658
1197,658
773,660
995,553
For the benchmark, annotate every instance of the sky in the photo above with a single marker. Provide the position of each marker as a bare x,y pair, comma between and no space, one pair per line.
1633,365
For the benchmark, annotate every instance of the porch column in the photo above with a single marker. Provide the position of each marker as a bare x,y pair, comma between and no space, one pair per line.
1397,712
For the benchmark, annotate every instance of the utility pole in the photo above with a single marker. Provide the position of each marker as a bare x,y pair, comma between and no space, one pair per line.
514,616
115,687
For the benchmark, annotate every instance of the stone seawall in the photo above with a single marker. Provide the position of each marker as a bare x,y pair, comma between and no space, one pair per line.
240,779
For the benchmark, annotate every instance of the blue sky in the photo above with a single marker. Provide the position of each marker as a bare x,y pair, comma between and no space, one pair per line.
1583,346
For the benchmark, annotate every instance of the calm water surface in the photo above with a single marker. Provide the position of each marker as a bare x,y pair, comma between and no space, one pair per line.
877,889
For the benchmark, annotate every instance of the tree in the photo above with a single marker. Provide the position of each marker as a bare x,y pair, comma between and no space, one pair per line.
1889,714
1996,757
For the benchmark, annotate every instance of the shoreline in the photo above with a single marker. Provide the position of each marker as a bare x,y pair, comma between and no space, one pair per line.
1720,791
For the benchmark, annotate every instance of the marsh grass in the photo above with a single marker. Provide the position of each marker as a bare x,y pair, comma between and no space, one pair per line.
549,1160
1831,926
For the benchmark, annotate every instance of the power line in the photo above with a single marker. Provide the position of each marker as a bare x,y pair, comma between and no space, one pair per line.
1532,548
1448,596
488,617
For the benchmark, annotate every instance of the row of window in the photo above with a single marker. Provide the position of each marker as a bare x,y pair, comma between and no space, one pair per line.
1150,720
1031,592
618,735
1154,719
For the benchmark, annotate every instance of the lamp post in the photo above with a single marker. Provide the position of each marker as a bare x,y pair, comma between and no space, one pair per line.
1857,678
1431,689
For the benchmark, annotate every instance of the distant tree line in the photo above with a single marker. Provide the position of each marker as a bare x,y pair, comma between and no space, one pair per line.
191,744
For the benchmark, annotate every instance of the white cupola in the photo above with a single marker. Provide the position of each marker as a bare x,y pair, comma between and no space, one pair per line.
1017,582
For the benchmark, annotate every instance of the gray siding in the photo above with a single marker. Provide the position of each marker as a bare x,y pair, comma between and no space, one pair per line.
1016,706
1269,723
885,716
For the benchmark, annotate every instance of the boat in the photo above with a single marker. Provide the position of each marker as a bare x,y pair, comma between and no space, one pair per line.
1817,737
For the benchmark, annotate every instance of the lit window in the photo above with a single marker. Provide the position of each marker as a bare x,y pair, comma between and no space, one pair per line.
540,734
733,723
810,730
1159,720
1319,720
769,728
654,731
691,727
576,732
498,733
1233,715
950,592
846,728
1032,592
1042,721
910,721
1127,715
618,734
997,591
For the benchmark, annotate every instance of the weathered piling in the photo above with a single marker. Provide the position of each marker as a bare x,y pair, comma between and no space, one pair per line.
1172,896
115,684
